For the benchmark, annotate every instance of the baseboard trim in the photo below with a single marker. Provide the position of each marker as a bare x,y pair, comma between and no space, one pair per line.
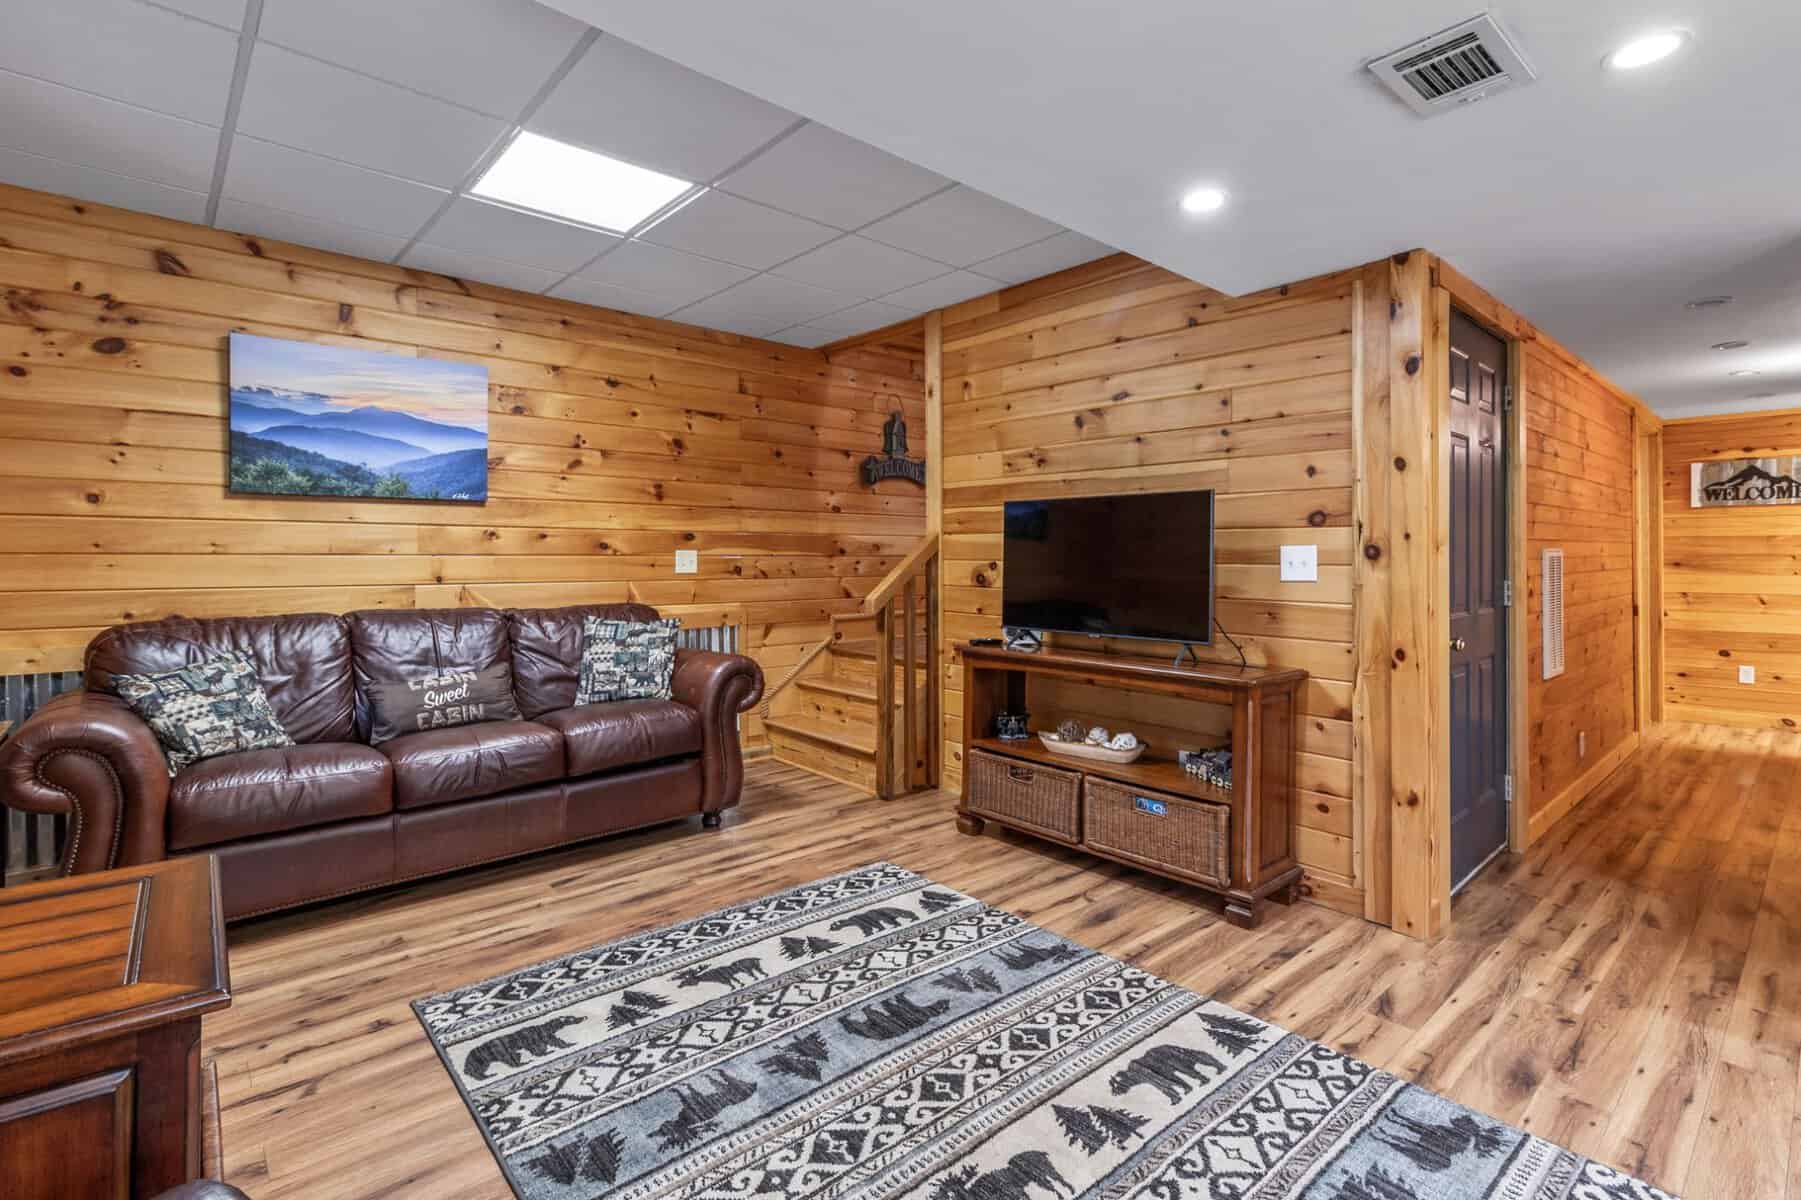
1577,792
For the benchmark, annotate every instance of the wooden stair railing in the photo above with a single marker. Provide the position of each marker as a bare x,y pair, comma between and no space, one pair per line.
908,736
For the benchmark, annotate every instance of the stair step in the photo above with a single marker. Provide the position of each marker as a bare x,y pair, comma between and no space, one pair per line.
838,687
857,741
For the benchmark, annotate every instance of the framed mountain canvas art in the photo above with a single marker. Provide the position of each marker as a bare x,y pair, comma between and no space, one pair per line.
312,420
1735,482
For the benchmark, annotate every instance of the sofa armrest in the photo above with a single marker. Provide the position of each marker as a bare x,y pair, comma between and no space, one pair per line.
719,687
87,756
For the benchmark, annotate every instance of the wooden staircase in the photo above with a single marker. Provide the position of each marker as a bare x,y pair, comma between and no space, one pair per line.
860,706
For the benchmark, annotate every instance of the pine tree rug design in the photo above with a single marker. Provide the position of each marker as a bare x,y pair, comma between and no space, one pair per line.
877,1036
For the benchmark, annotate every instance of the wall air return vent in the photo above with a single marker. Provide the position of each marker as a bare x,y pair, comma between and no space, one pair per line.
1470,61
1551,593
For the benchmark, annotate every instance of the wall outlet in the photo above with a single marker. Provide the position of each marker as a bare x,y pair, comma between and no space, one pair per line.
1747,674
1582,743
1300,564
687,562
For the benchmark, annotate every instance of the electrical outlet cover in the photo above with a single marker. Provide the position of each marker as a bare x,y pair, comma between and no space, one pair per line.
687,562
1747,674
1300,564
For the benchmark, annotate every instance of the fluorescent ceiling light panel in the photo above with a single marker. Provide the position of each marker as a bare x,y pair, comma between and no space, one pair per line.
560,180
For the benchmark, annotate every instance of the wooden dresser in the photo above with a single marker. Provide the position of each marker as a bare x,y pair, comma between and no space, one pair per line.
1236,842
103,980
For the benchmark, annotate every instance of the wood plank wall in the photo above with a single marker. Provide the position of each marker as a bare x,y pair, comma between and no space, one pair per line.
1732,582
1120,376
614,441
1580,440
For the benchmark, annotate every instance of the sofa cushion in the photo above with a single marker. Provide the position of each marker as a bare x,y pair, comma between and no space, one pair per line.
205,709
602,737
441,766
393,646
302,662
256,792
440,701
626,660
547,650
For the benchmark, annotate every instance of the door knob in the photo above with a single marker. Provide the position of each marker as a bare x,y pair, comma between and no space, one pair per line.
1459,645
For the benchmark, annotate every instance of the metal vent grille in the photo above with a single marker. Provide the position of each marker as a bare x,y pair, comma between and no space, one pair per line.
1469,61
1551,595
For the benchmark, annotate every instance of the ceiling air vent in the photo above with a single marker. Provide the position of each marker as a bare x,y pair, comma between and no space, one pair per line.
1550,592
1470,61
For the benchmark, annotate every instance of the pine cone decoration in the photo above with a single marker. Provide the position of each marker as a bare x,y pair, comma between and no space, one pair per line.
1071,731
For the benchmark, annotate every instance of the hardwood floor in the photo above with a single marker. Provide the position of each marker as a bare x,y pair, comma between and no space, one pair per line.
1631,987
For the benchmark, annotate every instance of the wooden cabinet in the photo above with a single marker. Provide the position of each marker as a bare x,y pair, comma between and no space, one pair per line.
1237,842
103,981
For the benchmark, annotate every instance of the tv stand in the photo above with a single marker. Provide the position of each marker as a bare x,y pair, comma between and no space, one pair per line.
1236,843
1187,651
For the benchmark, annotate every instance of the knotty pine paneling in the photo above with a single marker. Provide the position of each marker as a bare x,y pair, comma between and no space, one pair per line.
1732,582
1579,496
615,440
1121,376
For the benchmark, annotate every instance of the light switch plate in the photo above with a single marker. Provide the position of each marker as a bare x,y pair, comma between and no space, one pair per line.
687,562
1300,564
1747,674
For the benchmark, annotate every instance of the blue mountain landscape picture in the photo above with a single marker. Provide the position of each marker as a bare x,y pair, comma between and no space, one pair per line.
311,420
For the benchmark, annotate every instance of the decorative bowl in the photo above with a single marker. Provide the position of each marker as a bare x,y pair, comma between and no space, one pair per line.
1089,750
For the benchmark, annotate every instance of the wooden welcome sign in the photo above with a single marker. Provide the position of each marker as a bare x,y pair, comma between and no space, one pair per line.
1737,482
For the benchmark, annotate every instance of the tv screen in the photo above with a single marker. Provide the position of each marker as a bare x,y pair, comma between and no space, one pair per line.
1137,566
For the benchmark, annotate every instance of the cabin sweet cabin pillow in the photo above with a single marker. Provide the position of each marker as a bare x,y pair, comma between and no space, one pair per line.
440,701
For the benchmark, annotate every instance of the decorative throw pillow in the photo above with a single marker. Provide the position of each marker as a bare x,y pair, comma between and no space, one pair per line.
626,660
441,700
204,710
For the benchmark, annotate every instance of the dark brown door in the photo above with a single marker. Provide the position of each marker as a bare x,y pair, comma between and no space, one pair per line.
1478,382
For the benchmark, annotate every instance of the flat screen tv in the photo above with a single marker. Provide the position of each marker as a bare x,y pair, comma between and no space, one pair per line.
1138,566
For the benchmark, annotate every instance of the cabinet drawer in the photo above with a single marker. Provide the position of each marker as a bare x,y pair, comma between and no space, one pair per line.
1186,836
1042,799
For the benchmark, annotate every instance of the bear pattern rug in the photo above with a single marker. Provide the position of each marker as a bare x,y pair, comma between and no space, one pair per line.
879,1035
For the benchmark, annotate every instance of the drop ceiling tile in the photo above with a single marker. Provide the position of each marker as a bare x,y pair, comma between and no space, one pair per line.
1053,254
749,325
477,227
820,173
631,104
860,267
945,290
70,126
660,271
242,217
493,55
607,295
327,190
229,13
960,227
310,105
860,318
737,231
810,336
765,298
460,265
102,187
125,51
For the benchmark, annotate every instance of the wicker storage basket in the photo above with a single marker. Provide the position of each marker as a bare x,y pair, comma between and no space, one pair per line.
1045,800
1188,836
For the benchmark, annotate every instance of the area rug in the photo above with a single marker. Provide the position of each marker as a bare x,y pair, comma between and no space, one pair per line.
879,1035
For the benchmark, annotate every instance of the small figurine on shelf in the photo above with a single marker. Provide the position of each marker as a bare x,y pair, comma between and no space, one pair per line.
1209,766
1012,727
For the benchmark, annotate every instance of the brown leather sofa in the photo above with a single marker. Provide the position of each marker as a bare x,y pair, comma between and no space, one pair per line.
333,815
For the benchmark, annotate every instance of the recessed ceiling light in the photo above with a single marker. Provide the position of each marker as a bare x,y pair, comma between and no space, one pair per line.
1643,51
1743,372
1734,344
1204,200
560,180
1709,302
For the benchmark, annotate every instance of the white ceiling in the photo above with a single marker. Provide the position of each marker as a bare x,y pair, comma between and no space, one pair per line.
358,127
1597,203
